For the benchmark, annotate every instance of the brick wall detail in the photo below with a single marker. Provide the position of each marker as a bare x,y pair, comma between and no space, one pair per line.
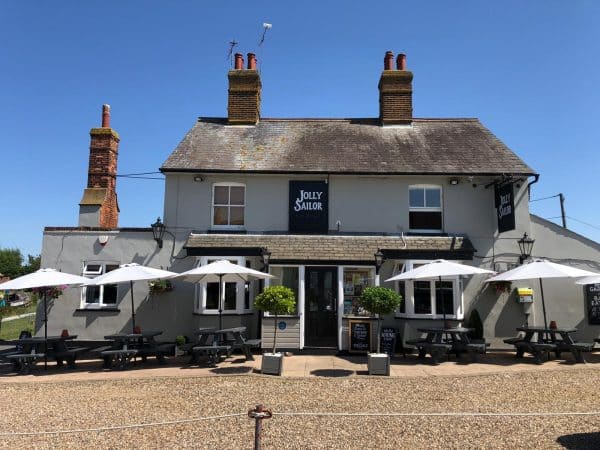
243,106
395,97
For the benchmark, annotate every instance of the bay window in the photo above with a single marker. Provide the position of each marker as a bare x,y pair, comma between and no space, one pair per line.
235,299
429,299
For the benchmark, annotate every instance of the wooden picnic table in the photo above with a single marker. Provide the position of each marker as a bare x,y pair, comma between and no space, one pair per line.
215,344
126,346
540,341
439,341
29,350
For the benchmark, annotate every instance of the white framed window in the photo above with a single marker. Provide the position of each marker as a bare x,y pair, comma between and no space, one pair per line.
425,212
228,205
236,299
104,296
428,299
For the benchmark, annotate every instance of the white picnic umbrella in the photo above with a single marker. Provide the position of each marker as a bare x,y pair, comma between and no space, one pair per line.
541,268
43,278
589,280
220,271
128,273
438,269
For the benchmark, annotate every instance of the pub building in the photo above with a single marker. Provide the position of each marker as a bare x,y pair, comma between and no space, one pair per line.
329,207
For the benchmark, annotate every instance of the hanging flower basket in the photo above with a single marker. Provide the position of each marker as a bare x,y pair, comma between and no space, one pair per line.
50,291
158,286
501,286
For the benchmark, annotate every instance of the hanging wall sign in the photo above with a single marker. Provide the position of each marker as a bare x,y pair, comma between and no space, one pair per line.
505,207
309,205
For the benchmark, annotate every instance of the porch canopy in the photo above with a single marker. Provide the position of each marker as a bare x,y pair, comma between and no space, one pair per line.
340,249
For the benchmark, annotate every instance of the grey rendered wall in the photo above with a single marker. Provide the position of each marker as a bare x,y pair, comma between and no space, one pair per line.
69,250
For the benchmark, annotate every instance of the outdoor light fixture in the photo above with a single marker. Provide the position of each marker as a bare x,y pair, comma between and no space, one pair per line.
454,181
525,246
379,258
266,256
198,178
158,231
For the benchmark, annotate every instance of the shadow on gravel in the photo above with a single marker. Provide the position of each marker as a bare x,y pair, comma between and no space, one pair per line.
231,370
332,373
580,441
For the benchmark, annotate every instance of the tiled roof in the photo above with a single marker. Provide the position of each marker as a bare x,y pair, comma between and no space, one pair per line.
429,146
330,247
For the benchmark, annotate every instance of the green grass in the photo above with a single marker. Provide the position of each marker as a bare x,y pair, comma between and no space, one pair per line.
12,329
8,311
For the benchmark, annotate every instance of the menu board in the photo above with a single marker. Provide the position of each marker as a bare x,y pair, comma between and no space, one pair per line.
592,295
388,340
360,336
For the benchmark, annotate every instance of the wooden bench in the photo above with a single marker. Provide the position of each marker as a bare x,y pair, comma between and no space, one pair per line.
213,353
160,351
577,349
435,350
246,346
120,357
537,349
69,355
24,361
474,349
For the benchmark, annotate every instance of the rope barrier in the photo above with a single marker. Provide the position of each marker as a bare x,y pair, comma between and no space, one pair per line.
314,414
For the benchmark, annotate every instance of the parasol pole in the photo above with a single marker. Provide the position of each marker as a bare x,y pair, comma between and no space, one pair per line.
132,308
543,304
443,304
220,301
45,330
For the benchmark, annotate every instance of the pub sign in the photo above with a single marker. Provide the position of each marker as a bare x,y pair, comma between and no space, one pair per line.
505,207
309,204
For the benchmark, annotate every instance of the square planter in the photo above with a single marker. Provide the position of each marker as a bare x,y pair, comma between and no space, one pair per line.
378,363
272,363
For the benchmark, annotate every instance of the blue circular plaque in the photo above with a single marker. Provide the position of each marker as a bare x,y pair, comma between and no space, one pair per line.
282,325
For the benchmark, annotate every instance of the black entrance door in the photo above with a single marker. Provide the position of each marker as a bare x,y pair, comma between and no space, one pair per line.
321,307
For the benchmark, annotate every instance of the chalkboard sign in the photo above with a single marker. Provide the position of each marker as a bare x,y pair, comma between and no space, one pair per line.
388,340
360,336
592,295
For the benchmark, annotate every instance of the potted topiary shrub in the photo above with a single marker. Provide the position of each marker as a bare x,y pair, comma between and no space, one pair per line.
379,300
180,342
275,300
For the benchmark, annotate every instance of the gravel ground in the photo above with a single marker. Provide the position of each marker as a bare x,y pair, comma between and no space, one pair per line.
51,406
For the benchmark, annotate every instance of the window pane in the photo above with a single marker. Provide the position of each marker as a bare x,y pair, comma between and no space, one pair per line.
212,295
111,267
432,198
447,292
422,297
92,294
425,220
237,195
221,195
110,293
230,296
93,269
401,291
221,216
416,198
236,215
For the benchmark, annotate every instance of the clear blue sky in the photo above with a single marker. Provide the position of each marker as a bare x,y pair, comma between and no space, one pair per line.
528,70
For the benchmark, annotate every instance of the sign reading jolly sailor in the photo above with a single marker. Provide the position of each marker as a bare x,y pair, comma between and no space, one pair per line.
309,204
505,207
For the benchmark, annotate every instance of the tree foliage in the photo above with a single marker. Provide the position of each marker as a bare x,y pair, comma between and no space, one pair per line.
276,300
380,300
11,263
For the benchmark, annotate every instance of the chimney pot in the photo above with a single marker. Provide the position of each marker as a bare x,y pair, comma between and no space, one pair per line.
251,61
239,61
388,61
105,116
401,61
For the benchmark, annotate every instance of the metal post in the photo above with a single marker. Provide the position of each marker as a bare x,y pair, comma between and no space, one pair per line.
258,414
562,210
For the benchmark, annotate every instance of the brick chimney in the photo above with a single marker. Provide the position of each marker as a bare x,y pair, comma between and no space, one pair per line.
99,206
243,106
395,91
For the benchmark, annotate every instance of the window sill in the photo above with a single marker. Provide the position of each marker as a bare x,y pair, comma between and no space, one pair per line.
103,309
227,231
428,317
225,313
282,316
